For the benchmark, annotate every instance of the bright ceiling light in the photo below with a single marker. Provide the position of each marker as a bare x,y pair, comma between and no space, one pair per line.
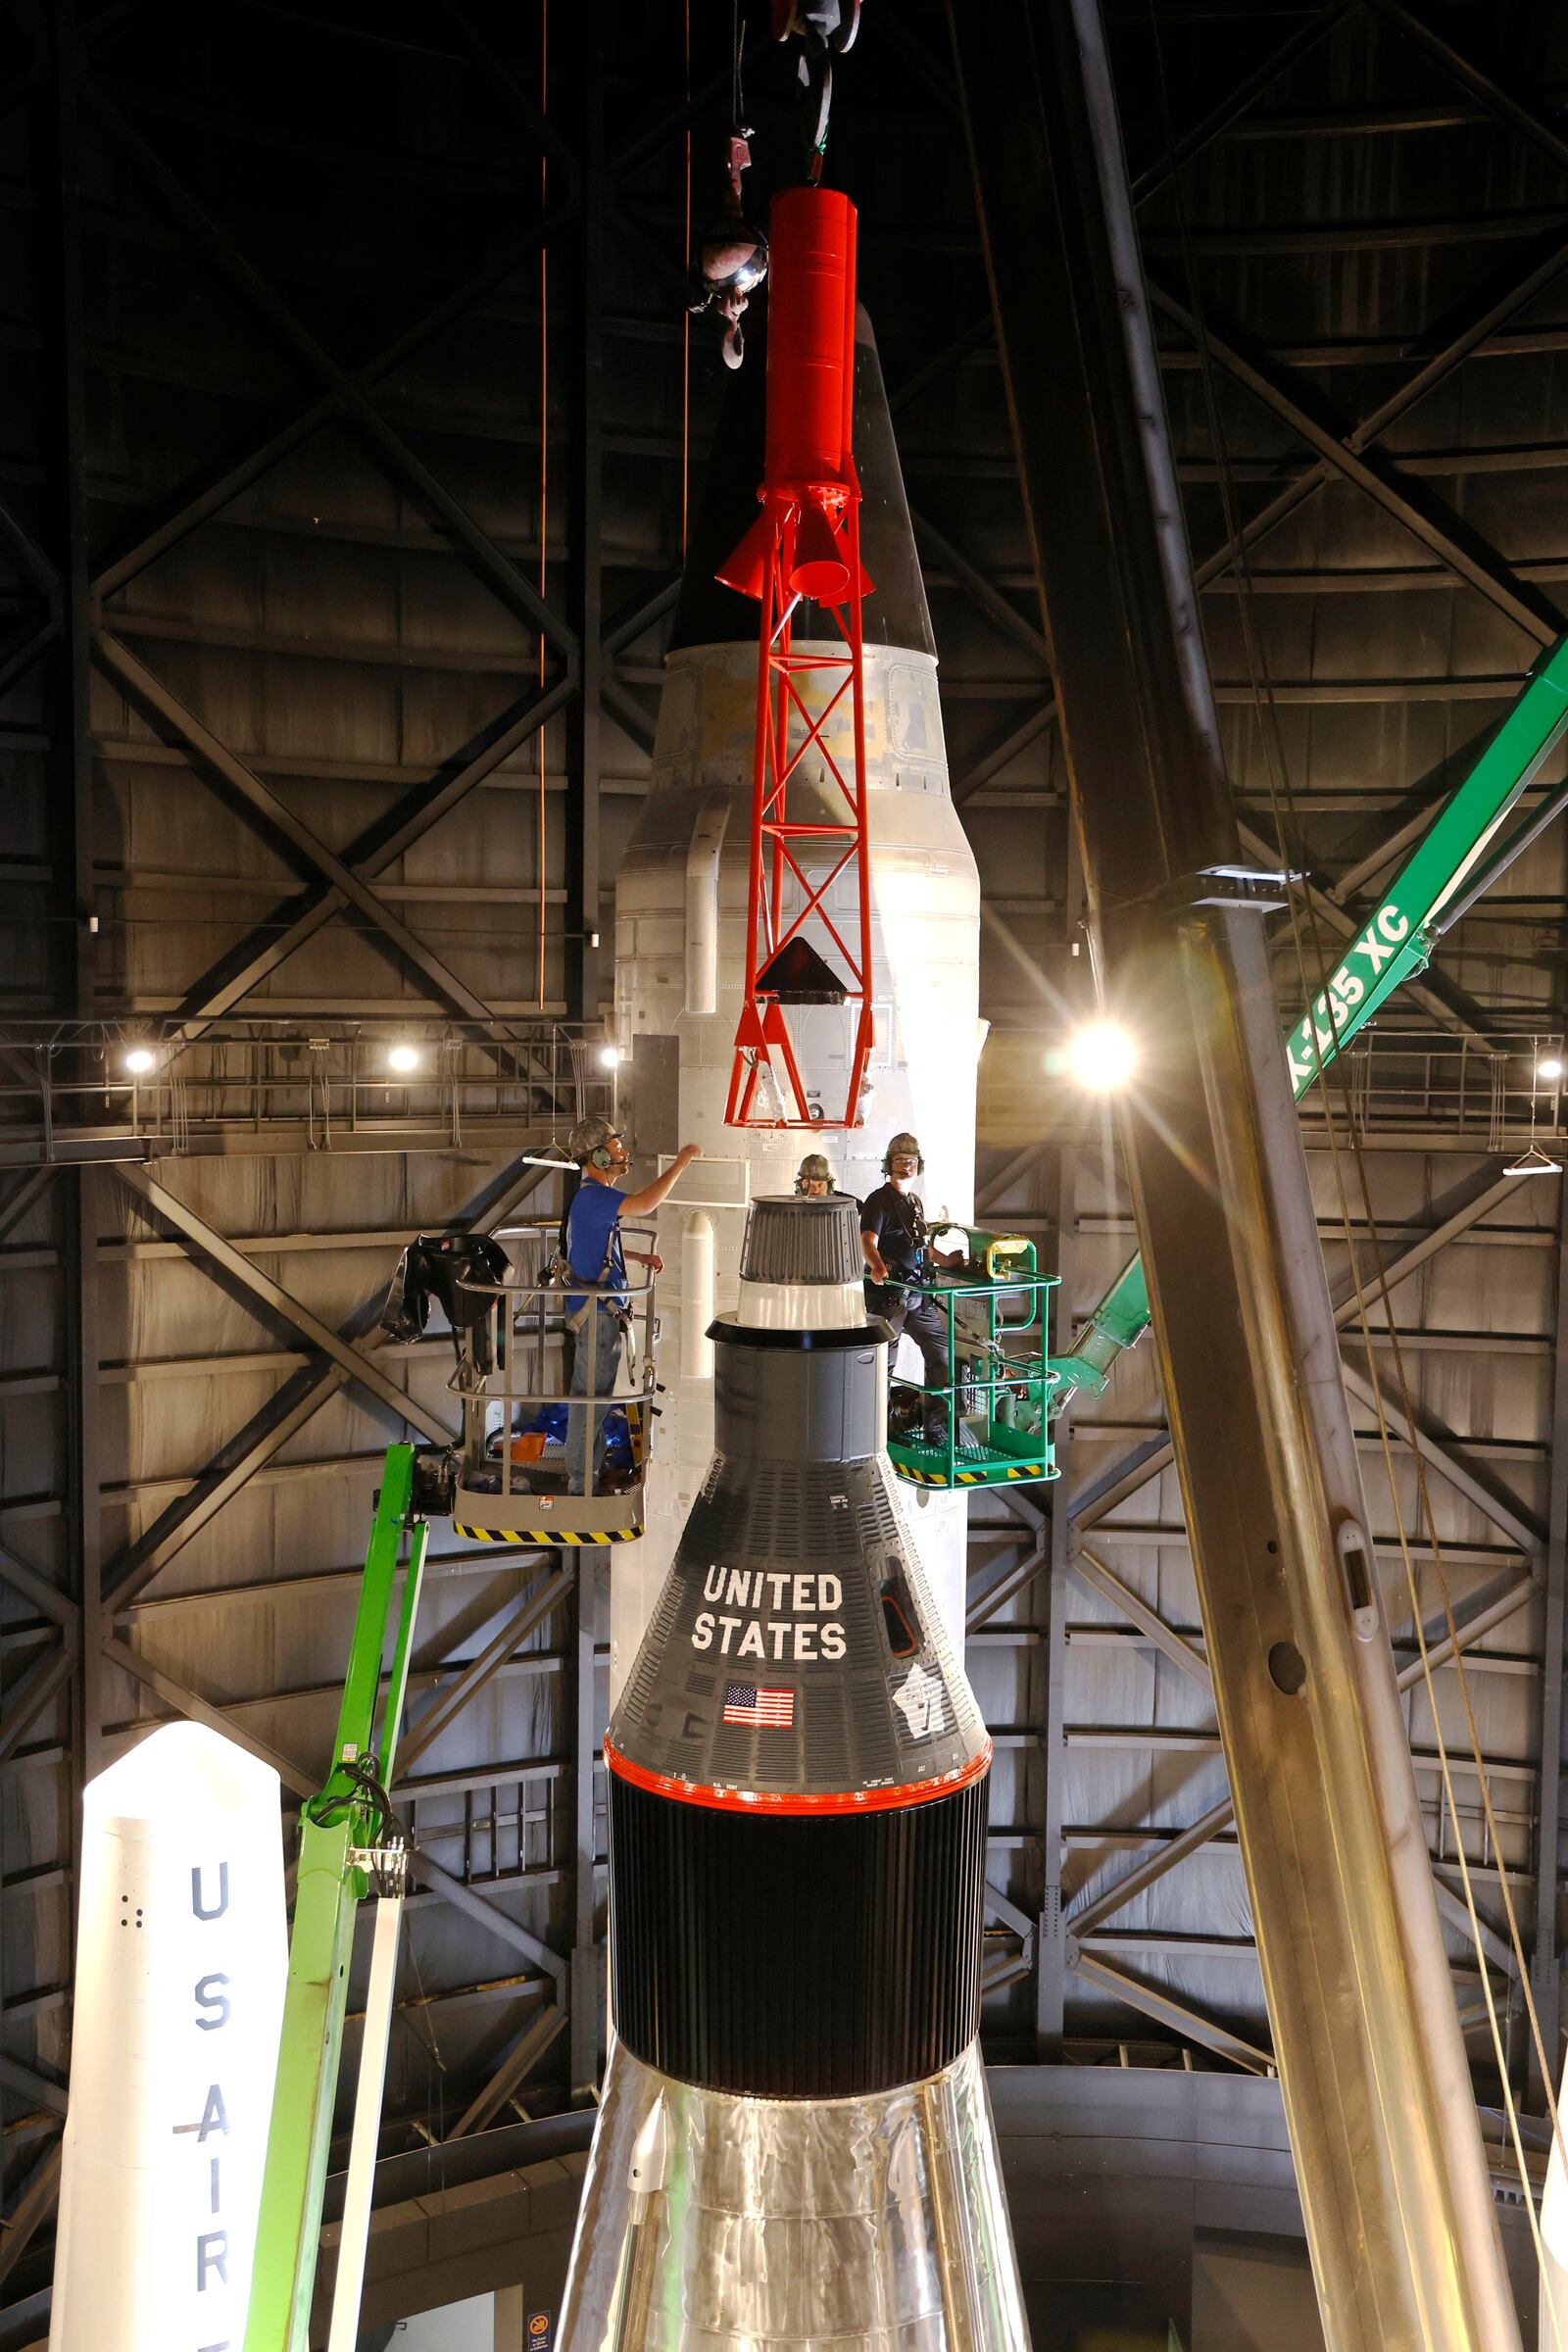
608,1057
1550,1067
139,1059
1102,1056
403,1057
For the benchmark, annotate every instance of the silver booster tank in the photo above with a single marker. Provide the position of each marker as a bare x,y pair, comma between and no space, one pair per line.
795,2141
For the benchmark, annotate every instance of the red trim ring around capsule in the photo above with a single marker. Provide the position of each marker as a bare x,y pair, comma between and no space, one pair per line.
793,1802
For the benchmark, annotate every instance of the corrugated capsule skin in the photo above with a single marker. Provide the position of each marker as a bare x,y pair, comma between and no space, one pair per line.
798,1776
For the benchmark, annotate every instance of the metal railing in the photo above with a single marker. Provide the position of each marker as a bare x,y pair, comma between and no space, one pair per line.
1504,1092
156,1082
510,1375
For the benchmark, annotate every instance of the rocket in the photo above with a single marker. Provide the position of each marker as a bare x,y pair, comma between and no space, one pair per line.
795,2141
681,943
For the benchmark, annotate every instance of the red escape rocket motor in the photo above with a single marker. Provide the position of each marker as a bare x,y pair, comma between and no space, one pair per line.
795,2141
809,837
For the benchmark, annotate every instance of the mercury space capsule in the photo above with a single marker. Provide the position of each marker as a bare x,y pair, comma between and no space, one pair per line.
795,2141
681,903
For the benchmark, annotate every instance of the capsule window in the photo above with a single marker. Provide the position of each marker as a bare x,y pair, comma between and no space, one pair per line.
897,1617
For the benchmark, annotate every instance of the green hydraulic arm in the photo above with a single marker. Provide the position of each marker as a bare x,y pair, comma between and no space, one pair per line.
1391,946
347,1820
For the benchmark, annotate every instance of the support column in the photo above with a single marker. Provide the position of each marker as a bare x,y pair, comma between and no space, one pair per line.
587,1953
83,1211
1376,2089
585,949
1051,1942
1545,1961
69,710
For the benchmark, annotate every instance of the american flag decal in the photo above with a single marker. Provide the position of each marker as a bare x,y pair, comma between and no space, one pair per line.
767,1710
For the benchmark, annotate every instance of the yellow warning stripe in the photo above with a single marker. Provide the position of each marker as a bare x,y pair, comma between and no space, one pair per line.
539,1537
968,1477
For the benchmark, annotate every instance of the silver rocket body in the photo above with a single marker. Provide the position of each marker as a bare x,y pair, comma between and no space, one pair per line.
877,2224
795,2144
680,955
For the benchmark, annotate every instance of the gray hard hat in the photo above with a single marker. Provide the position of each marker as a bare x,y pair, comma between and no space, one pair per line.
902,1146
588,1137
813,1169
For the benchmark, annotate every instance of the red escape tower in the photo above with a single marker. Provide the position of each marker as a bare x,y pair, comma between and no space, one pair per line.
809,806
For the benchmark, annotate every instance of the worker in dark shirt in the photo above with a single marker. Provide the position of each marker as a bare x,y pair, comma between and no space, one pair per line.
814,1179
593,1252
897,1253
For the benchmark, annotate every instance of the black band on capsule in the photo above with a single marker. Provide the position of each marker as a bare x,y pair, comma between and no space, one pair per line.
793,1958
876,1333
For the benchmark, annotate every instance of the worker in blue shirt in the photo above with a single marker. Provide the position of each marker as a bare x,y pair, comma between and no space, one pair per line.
595,1255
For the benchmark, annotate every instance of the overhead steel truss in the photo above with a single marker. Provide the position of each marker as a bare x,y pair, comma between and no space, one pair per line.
65,624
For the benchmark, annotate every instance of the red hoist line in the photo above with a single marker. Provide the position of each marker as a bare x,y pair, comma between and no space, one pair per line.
808,801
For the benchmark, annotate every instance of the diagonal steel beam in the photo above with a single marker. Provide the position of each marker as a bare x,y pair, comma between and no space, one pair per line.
45,1597
387,929
1236,101
197,1709
1476,1198
229,1472
1159,1859
1508,107
349,1359
496,570
1008,1174
1095,1576
513,2071
1482,1618
983,593
1007,748
28,1193
1506,1511
450,1698
1434,369
487,1915
33,2206
1156,174
637,618
1002,1907
1112,1488
31,2086
1166,2010
1461,1017
198,498
1465,553
238,1459
45,1679
1007,1587
272,942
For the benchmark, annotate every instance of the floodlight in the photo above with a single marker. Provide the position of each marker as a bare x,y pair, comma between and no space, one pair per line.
1102,1056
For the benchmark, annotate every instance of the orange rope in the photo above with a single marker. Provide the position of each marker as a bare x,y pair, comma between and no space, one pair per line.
544,459
686,323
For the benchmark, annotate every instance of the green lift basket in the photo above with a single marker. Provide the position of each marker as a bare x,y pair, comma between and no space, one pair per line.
996,1404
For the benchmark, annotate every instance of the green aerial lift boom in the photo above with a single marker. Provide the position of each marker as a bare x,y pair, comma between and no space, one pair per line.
1428,896
344,1834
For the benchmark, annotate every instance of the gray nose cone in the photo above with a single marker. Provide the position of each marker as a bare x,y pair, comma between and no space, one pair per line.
796,1240
896,614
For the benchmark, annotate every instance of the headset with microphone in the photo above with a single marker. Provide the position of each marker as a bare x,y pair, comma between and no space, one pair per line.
903,1147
